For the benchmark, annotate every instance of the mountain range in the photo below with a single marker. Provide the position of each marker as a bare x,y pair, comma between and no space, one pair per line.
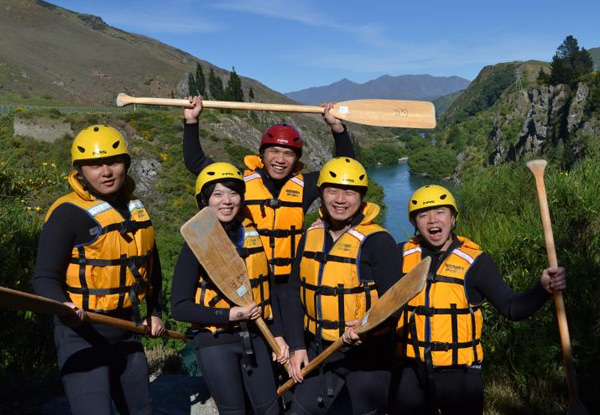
418,87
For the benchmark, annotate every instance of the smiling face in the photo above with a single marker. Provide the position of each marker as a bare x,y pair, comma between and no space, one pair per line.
279,161
225,202
435,226
341,203
106,175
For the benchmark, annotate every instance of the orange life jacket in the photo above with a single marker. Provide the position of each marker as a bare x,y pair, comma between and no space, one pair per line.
208,295
279,221
440,326
331,289
112,271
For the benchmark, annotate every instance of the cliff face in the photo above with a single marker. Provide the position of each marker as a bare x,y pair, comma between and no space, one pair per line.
544,120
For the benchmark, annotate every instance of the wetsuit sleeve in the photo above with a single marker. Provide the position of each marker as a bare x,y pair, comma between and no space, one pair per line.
293,309
154,302
193,155
277,326
381,261
183,291
64,229
343,144
483,281
311,193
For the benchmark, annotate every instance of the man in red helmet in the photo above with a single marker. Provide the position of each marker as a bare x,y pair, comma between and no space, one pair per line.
277,194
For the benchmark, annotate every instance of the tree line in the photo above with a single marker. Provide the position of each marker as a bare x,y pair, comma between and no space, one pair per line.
215,89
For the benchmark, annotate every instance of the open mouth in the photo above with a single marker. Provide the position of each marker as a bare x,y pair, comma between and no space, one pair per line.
278,169
339,209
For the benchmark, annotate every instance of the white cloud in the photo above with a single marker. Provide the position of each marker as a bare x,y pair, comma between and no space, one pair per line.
279,9
177,17
441,57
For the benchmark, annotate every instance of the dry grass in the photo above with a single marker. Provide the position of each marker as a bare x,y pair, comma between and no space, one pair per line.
541,396
163,360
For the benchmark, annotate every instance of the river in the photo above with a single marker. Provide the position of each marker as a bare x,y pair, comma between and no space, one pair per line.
398,185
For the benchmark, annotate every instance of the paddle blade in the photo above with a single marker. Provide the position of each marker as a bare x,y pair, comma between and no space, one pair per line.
396,297
387,113
218,256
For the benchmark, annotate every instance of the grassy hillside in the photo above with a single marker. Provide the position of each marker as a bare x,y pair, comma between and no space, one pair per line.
56,54
489,85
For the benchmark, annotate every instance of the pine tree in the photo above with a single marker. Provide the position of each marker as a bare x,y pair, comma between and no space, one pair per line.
215,86
200,81
251,94
569,63
234,90
192,87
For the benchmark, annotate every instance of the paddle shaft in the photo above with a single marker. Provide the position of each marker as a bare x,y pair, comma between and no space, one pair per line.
20,300
537,167
376,112
262,326
312,365
130,325
123,100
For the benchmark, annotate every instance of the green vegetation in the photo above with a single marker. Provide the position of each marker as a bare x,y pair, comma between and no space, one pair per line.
499,211
215,86
234,91
384,153
197,84
569,63
483,92
237,154
31,176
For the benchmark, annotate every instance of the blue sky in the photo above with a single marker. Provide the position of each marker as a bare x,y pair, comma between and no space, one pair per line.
294,44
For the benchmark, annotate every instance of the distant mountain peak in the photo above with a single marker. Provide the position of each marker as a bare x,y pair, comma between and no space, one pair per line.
419,87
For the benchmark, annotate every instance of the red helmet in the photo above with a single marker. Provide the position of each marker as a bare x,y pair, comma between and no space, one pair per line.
282,135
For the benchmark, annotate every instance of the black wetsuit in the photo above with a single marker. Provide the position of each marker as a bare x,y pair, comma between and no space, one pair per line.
459,390
98,363
235,362
365,369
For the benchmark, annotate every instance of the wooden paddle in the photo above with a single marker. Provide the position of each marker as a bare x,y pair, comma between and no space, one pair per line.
391,301
377,112
212,247
30,302
576,407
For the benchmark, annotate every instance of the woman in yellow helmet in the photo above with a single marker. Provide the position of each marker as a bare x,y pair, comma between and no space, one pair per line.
233,357
97,253
438,369
345,262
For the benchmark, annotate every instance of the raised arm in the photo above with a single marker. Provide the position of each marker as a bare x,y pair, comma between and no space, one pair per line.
343,143
193,155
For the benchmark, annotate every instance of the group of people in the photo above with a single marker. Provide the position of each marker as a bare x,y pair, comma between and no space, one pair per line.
97,253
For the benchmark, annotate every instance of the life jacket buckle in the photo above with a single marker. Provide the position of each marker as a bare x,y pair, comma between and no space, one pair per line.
440,346
273,203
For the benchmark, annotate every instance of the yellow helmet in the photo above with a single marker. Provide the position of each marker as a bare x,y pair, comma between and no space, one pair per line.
217,172
343,171
97,142
429,196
